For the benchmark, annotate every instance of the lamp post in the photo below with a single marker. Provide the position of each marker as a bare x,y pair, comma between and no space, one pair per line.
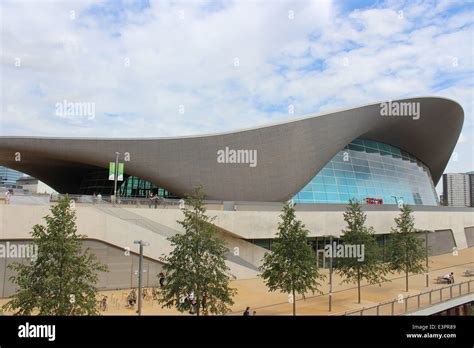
140,271
426,247
330,275
330,265
116,175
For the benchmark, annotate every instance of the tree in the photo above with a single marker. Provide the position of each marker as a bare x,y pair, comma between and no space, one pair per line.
61,279
197,264
357,235
291,266
406,252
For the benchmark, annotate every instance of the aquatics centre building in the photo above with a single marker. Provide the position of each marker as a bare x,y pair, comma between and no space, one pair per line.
380,154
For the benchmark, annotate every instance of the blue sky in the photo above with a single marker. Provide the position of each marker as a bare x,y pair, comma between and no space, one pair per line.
158,68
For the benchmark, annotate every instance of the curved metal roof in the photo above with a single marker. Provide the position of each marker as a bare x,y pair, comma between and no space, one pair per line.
289,154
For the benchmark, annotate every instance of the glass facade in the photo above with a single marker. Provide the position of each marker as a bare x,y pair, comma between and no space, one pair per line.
8,177
136,187
98,182
318,245
371,172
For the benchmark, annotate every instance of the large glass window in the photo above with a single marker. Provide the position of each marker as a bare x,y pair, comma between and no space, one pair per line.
98,182
370,171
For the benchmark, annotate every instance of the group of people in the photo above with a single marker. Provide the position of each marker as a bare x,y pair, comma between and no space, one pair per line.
190,302
132,296
153,199
247,312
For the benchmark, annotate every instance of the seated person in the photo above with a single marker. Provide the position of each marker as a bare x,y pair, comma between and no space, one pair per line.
449,277
446,277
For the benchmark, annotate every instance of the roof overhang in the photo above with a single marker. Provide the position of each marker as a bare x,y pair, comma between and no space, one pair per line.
289,154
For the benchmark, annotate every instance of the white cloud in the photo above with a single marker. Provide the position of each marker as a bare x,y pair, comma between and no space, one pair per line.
313,54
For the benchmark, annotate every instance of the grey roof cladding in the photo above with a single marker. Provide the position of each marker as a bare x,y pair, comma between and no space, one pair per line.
289,154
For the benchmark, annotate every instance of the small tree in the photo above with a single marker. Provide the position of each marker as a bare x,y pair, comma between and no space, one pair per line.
61,279
370,266
197,263
406,252
291,267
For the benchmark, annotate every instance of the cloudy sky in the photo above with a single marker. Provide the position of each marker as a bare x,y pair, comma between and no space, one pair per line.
159,68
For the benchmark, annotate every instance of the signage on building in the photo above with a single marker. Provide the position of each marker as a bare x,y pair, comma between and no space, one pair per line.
112,171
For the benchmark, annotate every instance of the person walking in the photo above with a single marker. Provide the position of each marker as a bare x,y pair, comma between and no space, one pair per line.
247,312
8,195
162,279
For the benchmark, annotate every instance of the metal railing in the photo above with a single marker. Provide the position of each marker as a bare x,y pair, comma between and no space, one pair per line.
121,201
407,304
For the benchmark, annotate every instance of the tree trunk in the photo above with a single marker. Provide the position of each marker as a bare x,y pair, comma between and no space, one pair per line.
358,285
294,302
406,279
406,271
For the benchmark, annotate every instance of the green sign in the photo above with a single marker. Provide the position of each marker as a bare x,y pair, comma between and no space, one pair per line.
112,171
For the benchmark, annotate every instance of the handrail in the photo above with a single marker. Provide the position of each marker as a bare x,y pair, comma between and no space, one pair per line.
121,201
406,299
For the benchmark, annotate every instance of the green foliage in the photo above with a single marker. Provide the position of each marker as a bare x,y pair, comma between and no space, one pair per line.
406,251
370,268
291,267
61,280
197,263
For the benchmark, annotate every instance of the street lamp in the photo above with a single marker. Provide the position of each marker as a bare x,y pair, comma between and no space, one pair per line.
426,247
330,274
330,269
116,174
140,271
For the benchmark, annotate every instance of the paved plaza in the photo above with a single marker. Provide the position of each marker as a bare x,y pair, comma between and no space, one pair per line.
253,292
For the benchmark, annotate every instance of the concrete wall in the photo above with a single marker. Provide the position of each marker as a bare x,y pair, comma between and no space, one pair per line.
123,270
263,224
16,222
439,242
120,227
470,236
